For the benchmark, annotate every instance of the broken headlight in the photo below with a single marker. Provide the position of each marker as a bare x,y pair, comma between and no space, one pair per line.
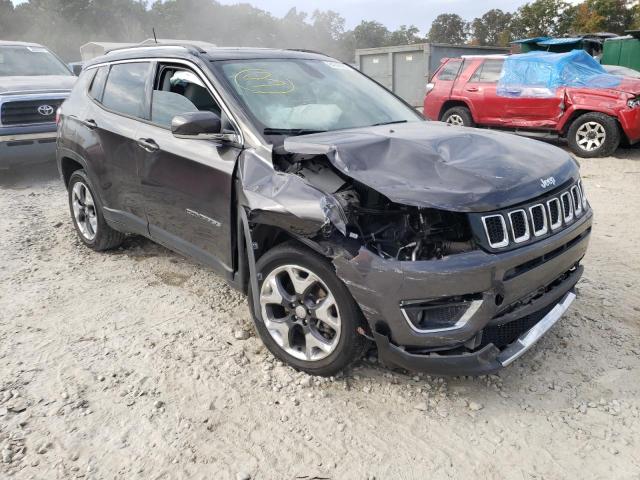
634,103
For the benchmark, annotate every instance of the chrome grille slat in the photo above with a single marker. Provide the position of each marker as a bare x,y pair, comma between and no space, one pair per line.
538,220
496,230
519,226
535,220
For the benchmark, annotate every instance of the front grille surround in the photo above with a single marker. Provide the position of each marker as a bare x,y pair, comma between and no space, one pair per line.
524,224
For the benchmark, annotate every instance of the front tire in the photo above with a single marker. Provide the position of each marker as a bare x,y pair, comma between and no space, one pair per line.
594,135
458,116
308,317
86,213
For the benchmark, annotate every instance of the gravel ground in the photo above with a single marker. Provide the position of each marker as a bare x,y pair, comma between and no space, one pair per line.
138,364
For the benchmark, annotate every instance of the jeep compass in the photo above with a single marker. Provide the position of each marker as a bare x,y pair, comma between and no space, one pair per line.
344,216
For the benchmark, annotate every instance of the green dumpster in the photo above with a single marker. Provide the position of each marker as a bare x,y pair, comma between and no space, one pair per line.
623,51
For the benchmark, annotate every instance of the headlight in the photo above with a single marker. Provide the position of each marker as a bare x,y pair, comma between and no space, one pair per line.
634,102
584,195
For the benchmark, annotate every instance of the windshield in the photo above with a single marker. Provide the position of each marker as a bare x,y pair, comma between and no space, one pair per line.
292,96
20,61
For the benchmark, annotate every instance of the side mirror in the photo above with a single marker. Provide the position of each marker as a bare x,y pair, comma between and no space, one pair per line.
202,125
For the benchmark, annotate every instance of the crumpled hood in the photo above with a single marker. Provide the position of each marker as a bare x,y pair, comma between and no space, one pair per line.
433,165
44,83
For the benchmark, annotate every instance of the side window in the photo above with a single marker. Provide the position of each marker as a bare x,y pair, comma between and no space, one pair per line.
489,72
124,91
178,90
476,75
97,85
450,71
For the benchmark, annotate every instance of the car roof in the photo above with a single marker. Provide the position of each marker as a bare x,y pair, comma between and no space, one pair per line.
207,53
494,56
11,43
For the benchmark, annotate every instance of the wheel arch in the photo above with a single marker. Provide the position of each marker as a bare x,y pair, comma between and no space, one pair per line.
455,103
575,114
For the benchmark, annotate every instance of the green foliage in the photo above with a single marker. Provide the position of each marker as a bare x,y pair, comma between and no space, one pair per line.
493,28
448,28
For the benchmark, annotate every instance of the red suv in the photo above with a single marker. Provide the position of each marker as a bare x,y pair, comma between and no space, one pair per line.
463,91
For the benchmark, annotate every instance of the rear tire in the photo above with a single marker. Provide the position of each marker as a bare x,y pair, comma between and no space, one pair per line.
301,338
458,116
87,217
594,135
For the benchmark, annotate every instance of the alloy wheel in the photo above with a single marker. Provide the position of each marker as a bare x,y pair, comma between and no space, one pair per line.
84,211
300,313
455,119
591,136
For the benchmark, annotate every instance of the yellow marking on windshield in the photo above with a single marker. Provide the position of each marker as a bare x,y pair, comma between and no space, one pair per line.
261,82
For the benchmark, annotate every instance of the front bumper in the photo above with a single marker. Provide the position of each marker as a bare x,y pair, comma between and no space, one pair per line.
484,361
26,146
511,285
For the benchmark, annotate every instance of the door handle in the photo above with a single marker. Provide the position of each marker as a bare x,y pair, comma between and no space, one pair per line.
90,124
472,89
148,144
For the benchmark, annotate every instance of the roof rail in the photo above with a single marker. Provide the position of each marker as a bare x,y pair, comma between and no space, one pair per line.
304,50
186,46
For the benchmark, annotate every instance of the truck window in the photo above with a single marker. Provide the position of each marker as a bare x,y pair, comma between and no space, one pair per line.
450,71
488,72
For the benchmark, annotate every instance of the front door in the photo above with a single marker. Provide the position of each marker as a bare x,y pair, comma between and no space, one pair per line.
186,183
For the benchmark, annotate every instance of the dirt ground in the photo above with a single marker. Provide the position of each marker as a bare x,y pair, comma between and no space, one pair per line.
132,365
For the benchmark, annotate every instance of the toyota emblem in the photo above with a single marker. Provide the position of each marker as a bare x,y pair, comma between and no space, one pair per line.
45,110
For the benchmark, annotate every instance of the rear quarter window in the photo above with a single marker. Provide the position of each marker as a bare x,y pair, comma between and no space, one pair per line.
97,85
125,90
449,71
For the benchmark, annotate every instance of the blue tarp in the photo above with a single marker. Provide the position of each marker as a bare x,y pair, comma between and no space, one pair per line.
540,74
559,41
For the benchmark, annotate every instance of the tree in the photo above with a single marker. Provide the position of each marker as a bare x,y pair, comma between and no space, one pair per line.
448,28
614,16
543,18
405,35
490,29
370,35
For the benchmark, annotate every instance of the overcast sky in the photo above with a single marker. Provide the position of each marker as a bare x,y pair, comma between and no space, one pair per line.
391,13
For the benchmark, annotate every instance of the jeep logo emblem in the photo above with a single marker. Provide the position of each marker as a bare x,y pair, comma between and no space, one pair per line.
547,182
45,110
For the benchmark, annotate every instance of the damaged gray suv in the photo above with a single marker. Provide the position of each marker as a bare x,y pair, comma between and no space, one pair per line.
344,215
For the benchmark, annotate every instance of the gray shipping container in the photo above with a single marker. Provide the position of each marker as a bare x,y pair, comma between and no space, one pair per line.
405,69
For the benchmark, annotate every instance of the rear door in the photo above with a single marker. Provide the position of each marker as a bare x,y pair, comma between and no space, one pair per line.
108,137
443,82
186,183
480,92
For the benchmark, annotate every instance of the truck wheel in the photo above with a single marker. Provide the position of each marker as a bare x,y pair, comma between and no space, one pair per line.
594,135
460,116
308,318
86,213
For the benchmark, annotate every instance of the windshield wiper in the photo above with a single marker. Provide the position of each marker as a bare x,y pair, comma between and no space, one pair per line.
290,131
388,123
